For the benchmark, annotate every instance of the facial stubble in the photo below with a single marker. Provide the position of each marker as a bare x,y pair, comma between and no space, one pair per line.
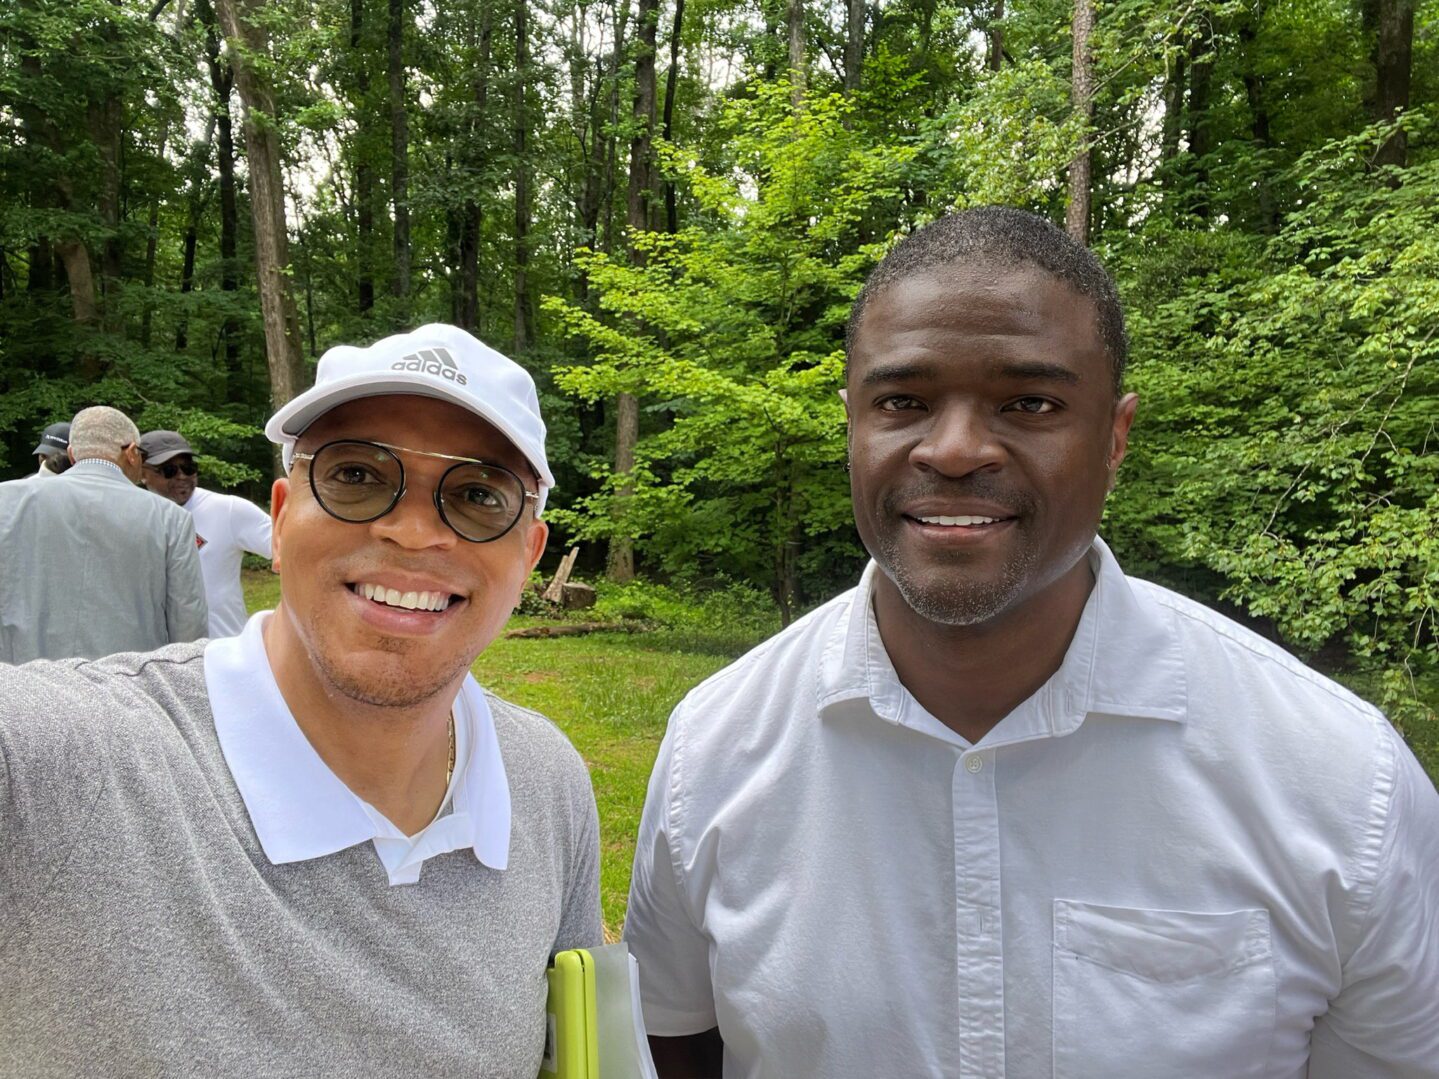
382,692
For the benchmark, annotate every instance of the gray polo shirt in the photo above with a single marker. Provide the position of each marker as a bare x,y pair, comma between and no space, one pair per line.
146,933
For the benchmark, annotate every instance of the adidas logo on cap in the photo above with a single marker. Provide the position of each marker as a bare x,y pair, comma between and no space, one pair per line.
432,361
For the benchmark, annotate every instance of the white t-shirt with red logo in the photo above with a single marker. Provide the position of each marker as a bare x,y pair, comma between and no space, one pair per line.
225,528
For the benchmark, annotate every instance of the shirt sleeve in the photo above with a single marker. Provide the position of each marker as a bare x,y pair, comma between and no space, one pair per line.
251,527
673,953
187,616
1384,1023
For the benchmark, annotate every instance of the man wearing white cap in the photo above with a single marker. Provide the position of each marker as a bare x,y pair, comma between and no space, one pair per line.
318,847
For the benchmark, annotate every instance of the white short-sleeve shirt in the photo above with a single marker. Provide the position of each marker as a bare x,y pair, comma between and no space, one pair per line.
1187,855
225,528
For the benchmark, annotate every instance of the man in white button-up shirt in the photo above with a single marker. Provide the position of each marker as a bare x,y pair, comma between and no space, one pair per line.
317,848
1002,811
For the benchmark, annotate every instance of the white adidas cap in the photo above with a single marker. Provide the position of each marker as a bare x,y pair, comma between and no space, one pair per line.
437,361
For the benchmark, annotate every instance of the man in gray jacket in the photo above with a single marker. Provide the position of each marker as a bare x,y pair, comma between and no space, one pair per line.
92,564
317,848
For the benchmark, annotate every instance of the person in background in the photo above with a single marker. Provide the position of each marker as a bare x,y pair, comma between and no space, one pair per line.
1003,811
52,454
317,848
225,526
91,564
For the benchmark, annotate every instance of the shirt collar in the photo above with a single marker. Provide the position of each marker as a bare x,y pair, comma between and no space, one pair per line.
97,465
1125,660
302,810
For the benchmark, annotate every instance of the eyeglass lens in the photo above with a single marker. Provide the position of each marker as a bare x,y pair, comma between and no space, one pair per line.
171,469
360,481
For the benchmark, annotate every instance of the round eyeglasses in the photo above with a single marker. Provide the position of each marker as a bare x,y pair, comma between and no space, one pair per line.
358,482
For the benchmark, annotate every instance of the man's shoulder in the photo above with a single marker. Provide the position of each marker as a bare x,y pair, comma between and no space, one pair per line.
212,499
1217,648
218,504
1249,700
534,748
792,655
114,700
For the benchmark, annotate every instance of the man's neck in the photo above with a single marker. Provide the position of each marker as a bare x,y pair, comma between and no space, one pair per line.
971,677
395,758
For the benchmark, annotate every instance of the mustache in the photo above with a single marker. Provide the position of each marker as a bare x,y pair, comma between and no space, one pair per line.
980,487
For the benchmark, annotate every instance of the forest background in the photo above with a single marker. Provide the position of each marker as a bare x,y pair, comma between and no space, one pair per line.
664,209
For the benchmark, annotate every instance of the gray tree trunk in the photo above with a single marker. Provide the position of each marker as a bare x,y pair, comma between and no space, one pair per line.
1393,64
399,147
1076,216
522,184
794,26
267,199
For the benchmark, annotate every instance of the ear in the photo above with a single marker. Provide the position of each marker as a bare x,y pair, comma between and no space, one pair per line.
538,535
279,502
1123,419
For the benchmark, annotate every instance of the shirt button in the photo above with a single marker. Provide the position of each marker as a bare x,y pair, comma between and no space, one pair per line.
975,764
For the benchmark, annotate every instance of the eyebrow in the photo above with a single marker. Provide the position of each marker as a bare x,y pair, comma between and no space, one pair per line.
897,372
1027,370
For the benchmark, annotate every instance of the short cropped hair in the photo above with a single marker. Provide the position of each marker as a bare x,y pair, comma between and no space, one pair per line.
101,431
1002,237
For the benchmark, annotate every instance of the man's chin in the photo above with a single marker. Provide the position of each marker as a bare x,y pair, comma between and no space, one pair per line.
957,595
379,690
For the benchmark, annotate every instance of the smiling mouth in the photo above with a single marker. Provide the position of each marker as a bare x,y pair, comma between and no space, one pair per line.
969,521
409,601
959,522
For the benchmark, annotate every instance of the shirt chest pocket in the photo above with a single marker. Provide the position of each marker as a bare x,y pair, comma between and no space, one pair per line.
1144,993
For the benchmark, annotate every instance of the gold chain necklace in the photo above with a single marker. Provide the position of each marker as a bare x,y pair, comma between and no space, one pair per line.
450,771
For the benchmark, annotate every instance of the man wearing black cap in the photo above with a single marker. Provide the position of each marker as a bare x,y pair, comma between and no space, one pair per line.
52,452
319,847
225,526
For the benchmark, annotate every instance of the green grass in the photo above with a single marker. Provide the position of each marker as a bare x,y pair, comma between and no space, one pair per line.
611,694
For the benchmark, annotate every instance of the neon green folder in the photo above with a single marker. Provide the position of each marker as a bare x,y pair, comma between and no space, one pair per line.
571,1020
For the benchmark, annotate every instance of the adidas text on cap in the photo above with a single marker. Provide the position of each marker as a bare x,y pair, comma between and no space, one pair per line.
437,361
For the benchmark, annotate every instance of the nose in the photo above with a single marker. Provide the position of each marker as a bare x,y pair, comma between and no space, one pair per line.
958,440
414,523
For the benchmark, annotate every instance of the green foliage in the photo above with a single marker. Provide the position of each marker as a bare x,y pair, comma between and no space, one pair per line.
725,618
1287,432
1008,144
727,334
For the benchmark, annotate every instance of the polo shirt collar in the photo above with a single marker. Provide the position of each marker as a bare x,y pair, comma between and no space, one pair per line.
1125,660
302,810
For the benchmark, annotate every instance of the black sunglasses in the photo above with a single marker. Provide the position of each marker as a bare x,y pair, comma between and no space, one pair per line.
171,469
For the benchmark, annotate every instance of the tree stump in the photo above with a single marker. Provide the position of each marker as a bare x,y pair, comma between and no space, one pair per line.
575,596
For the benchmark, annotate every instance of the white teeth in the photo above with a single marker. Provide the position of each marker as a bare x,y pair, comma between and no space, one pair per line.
410,601
959,521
